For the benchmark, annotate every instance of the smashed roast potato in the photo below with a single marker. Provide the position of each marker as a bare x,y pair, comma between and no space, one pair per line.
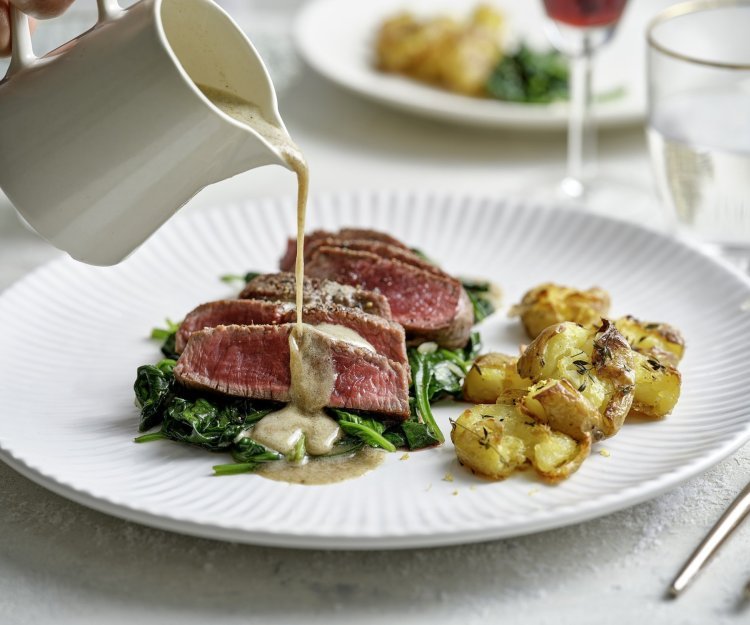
559,405
494,377
496,439
658,340
459,56
597,362
657,387
549,303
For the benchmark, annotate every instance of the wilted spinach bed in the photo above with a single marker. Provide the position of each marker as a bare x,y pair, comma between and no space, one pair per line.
223,424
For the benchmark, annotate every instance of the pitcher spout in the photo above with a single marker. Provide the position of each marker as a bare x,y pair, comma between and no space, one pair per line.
229,76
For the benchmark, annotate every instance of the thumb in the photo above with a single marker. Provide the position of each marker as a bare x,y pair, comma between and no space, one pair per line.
42,9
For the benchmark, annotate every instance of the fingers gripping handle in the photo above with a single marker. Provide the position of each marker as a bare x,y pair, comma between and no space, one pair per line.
22,53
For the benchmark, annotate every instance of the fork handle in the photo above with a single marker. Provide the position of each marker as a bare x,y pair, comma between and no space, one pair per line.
733,516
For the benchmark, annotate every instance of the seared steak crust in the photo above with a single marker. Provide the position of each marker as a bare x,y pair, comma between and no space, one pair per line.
379,248
430,305
345,234
280,287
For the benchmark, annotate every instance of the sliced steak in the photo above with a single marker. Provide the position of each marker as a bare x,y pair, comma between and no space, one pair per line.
387,337
253,361
430,306
280,287
372,235
343,235
231,312
384,250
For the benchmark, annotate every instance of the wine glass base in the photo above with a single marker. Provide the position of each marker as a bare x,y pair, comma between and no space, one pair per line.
606,195
573,189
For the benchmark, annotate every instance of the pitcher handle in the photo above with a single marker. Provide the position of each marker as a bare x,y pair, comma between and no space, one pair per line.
22,53
107,9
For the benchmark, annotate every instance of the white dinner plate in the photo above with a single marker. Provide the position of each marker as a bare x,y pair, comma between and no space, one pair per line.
71,337
336,38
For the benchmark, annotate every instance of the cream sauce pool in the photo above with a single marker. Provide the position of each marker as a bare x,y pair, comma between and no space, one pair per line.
325,470
312,372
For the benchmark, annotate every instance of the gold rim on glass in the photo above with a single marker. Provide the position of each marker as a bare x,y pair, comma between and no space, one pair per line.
687,8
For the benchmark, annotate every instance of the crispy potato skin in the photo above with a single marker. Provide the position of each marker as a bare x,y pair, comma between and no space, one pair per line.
496,439
549,304
493,377
596,362
659,340
559,405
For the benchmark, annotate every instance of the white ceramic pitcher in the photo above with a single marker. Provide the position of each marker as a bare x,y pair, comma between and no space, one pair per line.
103,139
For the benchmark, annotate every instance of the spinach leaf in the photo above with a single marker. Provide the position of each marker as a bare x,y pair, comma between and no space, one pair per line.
437,372
229,278
206,424
248,456
529,76
167,337
233,468
368,430
297,454
154,389
245,449
418,435
395,436
481,301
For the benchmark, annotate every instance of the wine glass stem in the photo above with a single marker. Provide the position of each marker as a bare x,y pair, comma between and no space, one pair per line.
581,131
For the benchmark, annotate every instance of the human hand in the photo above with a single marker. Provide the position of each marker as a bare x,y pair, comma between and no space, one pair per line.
41,9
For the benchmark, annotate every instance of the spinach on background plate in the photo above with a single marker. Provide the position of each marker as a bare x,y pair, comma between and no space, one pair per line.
529,76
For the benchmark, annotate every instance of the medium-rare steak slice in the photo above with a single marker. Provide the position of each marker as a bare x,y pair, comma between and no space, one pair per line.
345,234
231,312
253,361
431,307
387,337
280,287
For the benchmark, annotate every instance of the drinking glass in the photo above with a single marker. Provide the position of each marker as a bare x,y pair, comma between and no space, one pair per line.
699,120
578,29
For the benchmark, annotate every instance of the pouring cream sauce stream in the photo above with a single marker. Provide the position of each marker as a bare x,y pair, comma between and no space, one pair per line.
312,372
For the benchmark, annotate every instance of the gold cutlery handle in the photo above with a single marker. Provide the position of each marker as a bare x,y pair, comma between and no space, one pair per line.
713,540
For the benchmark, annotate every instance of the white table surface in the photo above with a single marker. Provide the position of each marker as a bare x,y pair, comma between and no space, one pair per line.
62,563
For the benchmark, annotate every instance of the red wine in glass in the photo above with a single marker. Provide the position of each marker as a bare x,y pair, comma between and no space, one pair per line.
585,12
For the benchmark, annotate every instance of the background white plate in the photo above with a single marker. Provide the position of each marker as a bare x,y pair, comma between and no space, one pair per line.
71,337
336,38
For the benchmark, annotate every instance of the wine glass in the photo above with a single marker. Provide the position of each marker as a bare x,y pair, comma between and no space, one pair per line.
699,121
578,29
